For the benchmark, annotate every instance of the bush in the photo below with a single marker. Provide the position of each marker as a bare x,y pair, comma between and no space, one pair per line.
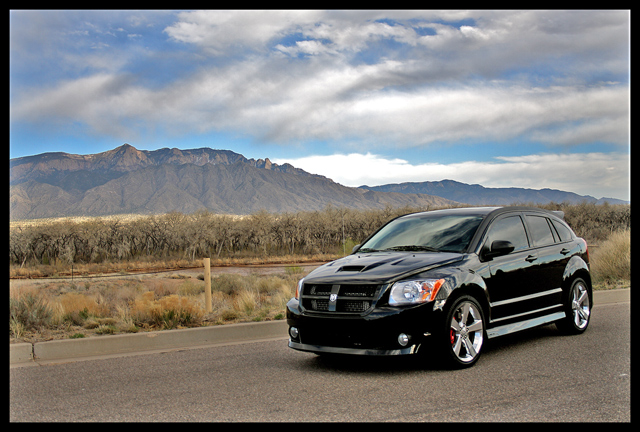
28,312
611,261
167,312
229,284
76,308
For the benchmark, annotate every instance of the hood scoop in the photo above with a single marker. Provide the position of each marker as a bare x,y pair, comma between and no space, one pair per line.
351,268
362,268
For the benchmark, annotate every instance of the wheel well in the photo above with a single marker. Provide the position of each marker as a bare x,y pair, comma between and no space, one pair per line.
580,273
476,292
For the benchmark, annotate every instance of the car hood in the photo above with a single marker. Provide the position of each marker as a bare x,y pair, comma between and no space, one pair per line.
379,267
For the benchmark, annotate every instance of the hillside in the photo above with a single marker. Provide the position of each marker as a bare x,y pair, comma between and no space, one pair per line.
127,180
82,172
479,195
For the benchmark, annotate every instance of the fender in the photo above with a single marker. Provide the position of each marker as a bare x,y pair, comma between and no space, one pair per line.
576,264
457,278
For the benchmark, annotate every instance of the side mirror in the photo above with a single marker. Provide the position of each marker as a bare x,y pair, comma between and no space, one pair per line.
498,248
355,248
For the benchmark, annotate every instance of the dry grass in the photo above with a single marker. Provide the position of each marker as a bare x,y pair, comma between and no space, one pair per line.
168,312
47,310
611,261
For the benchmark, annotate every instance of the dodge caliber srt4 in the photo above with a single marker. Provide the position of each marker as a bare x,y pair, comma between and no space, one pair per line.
442,282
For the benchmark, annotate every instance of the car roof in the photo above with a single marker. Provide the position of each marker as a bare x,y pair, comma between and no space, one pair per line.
479,211
483,211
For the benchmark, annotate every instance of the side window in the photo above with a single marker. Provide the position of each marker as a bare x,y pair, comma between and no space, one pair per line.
510,229
540,230
563,231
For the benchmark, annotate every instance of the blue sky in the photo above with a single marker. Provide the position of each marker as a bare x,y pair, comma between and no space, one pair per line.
535,99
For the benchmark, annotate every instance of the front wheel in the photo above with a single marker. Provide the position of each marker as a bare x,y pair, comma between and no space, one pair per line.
577,306
463,334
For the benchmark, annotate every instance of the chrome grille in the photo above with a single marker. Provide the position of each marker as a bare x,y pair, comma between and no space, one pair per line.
345,298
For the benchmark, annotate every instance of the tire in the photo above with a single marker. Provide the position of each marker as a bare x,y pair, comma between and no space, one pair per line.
577,306
462,336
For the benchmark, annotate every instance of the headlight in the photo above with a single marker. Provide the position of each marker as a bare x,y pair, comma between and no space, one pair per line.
414,291
299,288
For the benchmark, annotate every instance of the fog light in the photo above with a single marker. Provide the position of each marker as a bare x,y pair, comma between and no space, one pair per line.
403,339
293,332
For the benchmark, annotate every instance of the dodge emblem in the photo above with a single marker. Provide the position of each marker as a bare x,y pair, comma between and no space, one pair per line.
333,298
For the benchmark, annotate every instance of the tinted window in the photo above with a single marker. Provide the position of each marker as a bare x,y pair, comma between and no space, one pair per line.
510,229
446,233
563,232
540,230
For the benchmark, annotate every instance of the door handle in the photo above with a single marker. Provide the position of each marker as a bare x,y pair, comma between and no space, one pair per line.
531,258
565,251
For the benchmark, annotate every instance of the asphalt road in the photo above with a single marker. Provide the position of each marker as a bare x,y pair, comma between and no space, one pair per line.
538,375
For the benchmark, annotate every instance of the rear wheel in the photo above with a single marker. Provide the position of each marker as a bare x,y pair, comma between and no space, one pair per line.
463,334
577,306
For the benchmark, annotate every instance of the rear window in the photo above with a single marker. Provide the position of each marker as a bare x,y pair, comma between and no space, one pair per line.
540,230
563,231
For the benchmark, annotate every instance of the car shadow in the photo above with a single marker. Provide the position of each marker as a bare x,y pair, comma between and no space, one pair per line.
422,362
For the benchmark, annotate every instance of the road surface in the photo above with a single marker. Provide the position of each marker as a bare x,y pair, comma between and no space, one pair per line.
538,375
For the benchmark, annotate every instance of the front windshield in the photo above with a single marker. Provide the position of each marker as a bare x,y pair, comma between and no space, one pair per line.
430,232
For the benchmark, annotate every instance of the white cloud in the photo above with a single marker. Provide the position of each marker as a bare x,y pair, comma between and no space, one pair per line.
340,103
595,174
413,97
218,31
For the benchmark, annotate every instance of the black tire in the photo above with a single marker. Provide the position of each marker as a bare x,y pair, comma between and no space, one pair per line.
577,306
462,334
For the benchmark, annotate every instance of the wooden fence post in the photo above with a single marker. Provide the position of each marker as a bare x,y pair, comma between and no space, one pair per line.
207,284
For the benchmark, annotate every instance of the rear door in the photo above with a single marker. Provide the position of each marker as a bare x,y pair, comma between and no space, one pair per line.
552,258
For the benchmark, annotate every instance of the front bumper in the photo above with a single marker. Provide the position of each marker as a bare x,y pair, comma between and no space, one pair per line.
412,349
385,331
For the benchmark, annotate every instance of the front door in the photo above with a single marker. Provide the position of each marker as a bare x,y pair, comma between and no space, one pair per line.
510,279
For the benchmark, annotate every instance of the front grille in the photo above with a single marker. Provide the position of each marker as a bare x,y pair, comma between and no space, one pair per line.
347,298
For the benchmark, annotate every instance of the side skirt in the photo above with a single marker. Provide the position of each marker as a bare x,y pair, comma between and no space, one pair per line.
523,325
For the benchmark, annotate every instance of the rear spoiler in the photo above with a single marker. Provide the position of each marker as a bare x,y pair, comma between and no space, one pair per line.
558,213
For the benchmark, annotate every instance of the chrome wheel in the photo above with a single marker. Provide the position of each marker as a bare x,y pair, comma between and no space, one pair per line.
577,307
466,331
580,305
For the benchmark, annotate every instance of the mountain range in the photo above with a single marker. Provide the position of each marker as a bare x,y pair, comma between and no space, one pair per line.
475,194
126,180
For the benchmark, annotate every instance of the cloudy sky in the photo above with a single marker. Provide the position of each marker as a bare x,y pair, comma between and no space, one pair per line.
534,99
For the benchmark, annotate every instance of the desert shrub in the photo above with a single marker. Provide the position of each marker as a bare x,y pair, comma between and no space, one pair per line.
596,222
76,308
229,284
611,260
28,312
189,288
166,312
247,301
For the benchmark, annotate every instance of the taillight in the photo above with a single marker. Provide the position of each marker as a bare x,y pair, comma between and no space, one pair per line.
586,249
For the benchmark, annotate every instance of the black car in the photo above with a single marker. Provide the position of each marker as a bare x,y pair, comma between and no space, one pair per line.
442,281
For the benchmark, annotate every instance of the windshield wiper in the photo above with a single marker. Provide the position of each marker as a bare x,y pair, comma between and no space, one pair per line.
413,248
